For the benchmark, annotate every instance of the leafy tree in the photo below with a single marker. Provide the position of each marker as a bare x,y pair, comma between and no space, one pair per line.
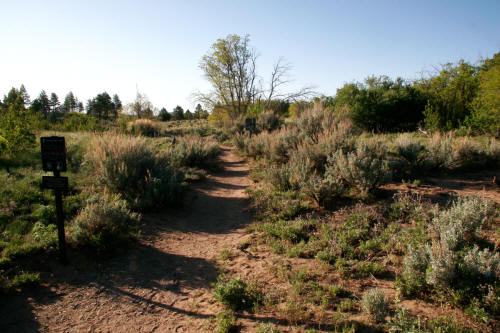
41,104
449,94
188,115
230,67
14,98
178,113
163,115
4,146
380,104
15,125
485,116
141,107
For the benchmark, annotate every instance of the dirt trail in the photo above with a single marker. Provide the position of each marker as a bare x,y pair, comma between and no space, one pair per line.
162,285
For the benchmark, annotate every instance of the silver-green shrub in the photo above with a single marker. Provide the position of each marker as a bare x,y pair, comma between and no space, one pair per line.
322,190
104,223
364,169
482,262
194,152
314,121
134,169
464,218
441,270
375,304
414,266
439,153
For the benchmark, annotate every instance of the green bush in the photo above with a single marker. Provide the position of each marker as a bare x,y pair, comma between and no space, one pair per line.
105,224
226,323
235,294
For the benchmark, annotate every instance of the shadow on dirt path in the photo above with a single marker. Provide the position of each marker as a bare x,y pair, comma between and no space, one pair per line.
163,284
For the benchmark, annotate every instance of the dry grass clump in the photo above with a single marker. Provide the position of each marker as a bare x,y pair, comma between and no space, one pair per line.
133,168
145,127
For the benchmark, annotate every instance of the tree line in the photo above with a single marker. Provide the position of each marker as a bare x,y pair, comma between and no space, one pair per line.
455,96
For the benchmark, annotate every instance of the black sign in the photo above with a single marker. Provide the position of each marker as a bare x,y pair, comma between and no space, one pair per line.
53,153
250,124
55,183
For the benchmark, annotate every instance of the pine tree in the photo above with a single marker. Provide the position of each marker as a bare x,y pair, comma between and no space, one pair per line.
41,104
54,102
118,105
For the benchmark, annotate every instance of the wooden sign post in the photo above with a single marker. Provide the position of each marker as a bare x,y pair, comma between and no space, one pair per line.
54,159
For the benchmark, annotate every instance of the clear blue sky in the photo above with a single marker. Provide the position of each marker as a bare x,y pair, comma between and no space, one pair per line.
93,46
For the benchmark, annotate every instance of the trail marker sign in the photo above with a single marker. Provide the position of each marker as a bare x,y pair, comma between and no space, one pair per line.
54,159
53,153
55,183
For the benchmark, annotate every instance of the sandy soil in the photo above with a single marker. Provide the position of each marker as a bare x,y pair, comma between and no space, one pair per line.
161,285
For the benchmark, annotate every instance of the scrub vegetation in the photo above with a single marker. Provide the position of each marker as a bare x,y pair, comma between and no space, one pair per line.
351,229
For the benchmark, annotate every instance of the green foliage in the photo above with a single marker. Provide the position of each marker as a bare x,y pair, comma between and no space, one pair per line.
25,279
230,68
16,127
385,105
4,146
267,328
235,294
485,116
449,95
102,107
371,268
105,224
404,321
226,323
163,115
291,231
